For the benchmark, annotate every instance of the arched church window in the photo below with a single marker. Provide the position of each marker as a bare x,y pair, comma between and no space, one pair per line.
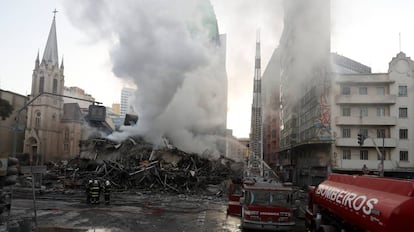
37,119
55,85
66,135
41,84
66,140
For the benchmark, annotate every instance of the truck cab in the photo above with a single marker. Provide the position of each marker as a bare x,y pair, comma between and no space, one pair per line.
267,204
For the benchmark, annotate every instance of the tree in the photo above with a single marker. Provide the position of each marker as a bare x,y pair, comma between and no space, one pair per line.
5,109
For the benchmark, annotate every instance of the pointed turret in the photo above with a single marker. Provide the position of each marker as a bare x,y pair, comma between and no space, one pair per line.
51,50
61,65
37,60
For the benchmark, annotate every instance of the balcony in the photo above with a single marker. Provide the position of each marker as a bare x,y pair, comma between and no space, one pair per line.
365,99
371,78
366,121
353,142
371,164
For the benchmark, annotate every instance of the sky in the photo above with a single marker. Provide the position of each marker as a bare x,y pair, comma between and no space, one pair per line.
364,30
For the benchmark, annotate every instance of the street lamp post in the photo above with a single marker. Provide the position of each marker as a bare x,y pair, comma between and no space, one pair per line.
383,154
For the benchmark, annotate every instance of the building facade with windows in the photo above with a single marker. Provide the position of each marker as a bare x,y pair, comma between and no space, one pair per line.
78,95
271,110
305,136
379,107
127,101
11,129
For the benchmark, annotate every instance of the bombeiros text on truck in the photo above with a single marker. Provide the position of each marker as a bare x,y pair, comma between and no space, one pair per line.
345,203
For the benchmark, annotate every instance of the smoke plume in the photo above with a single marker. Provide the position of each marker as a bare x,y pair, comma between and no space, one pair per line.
170,50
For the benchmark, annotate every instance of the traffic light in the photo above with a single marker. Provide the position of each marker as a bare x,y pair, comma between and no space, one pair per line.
361,139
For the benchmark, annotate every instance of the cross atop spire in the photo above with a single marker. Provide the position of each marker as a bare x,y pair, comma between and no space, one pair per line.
54,13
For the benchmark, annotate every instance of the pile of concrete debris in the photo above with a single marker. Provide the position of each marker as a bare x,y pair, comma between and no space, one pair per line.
135,164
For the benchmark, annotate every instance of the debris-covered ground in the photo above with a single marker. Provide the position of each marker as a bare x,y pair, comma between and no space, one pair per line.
134,164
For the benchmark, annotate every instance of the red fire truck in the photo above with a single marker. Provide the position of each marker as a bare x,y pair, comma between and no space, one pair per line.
264,204
361,203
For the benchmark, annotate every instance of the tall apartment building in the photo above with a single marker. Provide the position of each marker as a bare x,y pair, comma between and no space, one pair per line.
127,101
380,107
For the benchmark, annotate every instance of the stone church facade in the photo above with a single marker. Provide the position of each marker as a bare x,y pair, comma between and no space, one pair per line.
53,128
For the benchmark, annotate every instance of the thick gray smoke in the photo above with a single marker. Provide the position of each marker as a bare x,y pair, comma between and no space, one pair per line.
170,50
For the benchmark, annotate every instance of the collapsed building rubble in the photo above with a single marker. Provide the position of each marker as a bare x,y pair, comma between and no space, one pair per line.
135,164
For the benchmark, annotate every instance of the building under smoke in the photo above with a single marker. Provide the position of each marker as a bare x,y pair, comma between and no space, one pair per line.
175,56
306,137
271,110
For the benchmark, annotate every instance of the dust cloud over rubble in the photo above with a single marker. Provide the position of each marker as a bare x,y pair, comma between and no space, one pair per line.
171,51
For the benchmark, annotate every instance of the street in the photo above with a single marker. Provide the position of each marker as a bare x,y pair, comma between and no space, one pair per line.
128,212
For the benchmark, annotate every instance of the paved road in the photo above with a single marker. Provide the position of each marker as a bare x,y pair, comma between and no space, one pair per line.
130,212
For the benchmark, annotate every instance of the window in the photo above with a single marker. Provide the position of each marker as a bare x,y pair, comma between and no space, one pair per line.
380,91
41,84
364,132
346,90
380,111
363,111
37,119
402,91
54,86
66,135
346,111
363,90
363,155
403,112
65,147
403,133
346,154
346,133
403,155
380,133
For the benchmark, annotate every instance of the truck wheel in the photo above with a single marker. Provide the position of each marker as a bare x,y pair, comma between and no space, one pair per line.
327,228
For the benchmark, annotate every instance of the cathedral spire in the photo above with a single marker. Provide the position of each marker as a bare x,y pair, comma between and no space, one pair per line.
51,51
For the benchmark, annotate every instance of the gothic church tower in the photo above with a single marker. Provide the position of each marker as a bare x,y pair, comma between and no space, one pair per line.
45,112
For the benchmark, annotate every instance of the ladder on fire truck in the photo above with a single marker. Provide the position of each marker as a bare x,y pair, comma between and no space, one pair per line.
257,167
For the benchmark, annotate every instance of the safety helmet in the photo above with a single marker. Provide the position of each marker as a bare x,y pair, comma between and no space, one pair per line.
90,181
107,182
95,181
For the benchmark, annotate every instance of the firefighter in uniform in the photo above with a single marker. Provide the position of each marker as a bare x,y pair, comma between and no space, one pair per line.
95,192
88,191
107,191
